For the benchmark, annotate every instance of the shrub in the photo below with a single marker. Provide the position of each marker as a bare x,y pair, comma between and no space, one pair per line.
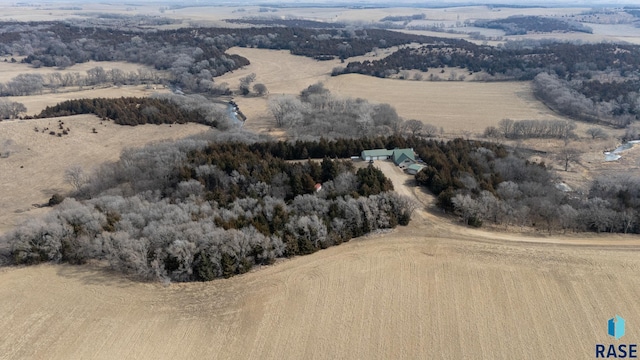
55,199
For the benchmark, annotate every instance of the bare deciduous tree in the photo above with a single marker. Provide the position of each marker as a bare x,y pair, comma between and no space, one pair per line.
284,107
96,75
568,155
467,207
414,126
11,109
260,89
429,130
596,133
505,126
245,82
75,176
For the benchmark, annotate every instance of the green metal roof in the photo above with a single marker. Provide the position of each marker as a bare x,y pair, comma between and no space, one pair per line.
400,155
377,152
416,167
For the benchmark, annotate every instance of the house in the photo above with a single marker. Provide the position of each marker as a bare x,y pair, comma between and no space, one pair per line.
397,155
413,169
401,155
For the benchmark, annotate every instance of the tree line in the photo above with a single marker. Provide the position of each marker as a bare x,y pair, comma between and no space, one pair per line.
32,84
128,111
516,60
612,103
527,129
292,23
521,25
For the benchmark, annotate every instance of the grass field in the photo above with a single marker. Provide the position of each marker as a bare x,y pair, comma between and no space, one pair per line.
429,290
34,169
456,106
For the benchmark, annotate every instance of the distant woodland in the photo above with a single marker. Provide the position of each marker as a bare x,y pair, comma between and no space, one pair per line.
521,25
292,23
192,56
589,82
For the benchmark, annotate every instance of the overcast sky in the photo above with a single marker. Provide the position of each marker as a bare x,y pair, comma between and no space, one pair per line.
434,3
430,2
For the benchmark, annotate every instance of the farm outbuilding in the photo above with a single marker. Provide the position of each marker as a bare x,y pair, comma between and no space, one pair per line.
376,154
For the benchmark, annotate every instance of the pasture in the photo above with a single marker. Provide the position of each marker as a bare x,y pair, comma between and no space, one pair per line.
36,163
456,106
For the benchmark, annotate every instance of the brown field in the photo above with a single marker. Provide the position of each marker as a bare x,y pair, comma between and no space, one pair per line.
429,290
458,107
35,168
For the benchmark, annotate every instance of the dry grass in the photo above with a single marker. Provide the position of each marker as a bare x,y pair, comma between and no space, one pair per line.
429,290
35,167
458,107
